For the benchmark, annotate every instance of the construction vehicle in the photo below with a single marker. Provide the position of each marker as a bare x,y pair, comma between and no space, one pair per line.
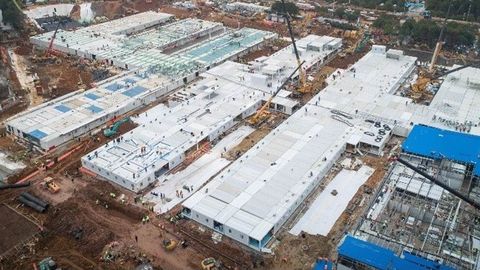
438,46
112,130
262,114
302,74
50,185
419,87
50,50
439,183
210,264
169,244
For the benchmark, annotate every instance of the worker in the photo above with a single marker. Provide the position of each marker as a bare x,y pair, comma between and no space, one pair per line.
136,238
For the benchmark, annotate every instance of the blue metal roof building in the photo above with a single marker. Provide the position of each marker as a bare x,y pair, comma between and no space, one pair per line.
438,143
377,257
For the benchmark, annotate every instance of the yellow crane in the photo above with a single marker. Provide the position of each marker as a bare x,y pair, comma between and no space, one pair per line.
418,88
263,112
438,46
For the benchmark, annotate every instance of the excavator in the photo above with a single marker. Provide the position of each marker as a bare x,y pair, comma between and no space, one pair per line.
112,130
262,114
210,264
418,88
427,76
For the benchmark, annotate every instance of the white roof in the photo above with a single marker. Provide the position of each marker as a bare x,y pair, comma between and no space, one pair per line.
319,220
273,174
235,90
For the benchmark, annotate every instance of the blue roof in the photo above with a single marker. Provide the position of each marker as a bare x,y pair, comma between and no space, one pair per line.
439,143
94,109
383,258
134,91
114,87
418,262
320,265
37,134
366,253
92,96
62,108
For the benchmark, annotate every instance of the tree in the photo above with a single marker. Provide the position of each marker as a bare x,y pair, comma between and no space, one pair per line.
11,13
290,7
388,23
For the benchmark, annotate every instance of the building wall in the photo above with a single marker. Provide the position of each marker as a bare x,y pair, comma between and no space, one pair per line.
319,175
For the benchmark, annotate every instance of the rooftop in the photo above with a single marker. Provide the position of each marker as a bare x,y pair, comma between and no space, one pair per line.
437,143
260,189
383,258
68,113
226,91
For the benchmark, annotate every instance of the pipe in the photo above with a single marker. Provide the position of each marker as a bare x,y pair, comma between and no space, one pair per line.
31,204
441,184
19,185
34,199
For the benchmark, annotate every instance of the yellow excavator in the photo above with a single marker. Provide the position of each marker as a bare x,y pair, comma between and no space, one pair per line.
419,87
263,113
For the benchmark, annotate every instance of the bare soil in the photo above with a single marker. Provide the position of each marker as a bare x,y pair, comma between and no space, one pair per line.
14,229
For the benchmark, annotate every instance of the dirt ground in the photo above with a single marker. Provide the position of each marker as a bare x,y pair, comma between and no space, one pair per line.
15,228
247,143
85,222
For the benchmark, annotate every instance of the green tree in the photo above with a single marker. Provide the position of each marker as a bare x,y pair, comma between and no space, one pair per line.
11,13
388,23
290,7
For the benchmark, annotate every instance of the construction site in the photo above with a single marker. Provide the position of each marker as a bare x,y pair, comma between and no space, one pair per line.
232,135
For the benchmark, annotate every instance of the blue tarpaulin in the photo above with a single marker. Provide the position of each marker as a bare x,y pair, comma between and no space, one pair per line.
134,91
323,265
382,258
62,108
444,144
94,109
114,87
37,134
92,96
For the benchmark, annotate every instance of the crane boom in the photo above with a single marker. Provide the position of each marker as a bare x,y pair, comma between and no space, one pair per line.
438,46
297,55
50,46
258,115
440,183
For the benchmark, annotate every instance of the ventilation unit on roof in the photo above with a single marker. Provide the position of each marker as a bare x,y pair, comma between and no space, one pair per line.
473,83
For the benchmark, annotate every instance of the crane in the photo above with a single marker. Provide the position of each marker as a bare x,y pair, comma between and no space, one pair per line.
262,113
302,75
438,46
440,183
50,46
419,86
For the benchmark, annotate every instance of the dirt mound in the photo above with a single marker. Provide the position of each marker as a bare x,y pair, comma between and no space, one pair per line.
109,9
75,13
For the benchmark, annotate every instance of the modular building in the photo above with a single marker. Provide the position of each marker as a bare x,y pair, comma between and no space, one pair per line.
252,199
60,120
167,135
